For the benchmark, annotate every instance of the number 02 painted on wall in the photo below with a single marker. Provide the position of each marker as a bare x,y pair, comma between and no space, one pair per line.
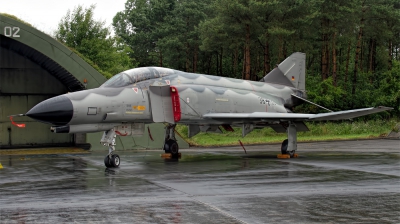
11,31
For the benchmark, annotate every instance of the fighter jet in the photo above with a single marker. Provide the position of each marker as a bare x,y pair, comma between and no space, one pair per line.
129,100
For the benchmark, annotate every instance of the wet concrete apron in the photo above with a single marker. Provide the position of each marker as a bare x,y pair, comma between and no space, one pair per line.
350,181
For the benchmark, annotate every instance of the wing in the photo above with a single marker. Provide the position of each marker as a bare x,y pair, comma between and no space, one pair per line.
331,116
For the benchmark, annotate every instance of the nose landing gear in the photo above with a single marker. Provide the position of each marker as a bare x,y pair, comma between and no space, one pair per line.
111,160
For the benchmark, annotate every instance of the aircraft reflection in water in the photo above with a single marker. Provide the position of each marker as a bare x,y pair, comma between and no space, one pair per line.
129,100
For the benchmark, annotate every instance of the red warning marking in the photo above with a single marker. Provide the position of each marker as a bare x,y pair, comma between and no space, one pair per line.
168,82
18,125
119,133
176,105
136,90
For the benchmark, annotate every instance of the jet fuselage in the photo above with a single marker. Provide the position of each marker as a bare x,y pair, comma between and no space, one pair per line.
125,99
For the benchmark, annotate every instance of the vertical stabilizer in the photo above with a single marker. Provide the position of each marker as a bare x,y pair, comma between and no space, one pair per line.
293,68
291,72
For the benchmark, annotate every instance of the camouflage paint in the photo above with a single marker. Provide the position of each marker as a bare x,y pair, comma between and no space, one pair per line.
199,95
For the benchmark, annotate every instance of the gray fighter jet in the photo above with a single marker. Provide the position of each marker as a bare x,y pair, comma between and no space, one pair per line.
129,100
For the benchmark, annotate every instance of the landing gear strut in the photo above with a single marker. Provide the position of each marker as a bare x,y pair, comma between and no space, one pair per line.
170,143
289,146
108,139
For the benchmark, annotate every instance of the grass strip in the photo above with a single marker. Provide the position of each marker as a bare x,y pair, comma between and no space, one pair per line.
319,131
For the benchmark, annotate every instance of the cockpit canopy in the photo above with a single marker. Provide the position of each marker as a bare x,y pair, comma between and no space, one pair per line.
136,75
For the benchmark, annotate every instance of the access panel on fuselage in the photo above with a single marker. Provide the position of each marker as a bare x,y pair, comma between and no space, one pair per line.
161,104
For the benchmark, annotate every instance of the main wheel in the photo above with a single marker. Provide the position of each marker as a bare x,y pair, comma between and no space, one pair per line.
107,162
174,148
284,146
115,160
171,146
291,153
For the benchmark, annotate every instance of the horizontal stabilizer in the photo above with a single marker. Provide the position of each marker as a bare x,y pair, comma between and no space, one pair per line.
348,114
331,116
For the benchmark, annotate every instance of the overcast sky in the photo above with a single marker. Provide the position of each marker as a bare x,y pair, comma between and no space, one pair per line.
46,14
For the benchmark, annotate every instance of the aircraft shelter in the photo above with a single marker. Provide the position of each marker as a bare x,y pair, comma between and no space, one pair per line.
35,67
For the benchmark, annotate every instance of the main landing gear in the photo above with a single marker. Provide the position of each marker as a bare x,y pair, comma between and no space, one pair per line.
289,146
108,139
170,143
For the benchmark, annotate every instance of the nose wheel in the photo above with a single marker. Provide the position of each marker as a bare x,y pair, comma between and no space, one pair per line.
112,161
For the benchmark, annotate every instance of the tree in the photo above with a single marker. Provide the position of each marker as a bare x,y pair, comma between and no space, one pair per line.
234,19
163,32
180,34
79,30
140,27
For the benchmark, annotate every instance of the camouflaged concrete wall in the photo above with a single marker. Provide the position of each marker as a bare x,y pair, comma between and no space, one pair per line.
23,84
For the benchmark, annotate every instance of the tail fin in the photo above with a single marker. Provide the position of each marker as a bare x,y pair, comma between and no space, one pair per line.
290,72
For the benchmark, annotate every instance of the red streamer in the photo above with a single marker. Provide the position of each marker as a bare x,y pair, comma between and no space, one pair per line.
119,133
151,137
242,146
18,125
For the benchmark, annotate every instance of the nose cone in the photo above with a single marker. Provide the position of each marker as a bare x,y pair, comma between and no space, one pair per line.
57,110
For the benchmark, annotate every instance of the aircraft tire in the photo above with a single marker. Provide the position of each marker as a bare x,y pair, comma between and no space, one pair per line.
291,153
284,146
115,161
107,162
171,146
174,148
166,148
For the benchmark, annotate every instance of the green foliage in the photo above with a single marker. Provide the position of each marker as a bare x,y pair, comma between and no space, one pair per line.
388,92
180,37
79,31
87,60
162,32
325,94
370,93
319,131
140,26
16,18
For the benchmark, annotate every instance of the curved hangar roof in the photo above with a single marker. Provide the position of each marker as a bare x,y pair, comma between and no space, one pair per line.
47,52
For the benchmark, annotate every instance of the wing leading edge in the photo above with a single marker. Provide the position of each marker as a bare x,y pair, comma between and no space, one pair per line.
331,116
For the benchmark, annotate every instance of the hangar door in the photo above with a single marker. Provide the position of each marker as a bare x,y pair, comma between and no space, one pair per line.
23,84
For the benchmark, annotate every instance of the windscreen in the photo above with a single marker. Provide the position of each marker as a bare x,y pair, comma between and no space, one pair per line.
118,80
